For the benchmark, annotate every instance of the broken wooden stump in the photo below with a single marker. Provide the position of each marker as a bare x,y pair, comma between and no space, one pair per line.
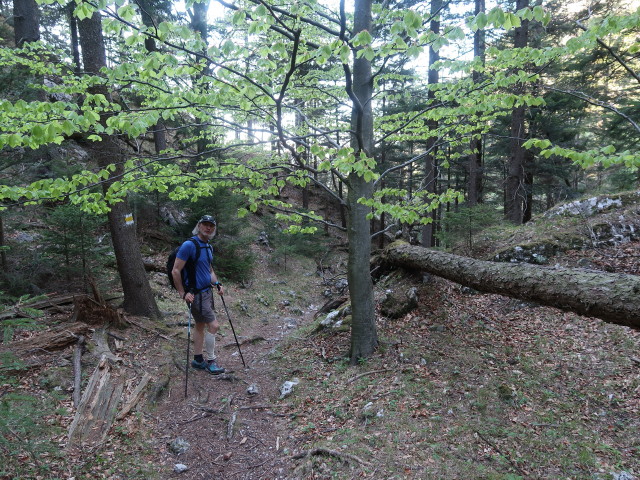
98,407
94,312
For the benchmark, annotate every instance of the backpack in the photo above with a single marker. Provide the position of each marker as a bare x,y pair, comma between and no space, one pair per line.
189,269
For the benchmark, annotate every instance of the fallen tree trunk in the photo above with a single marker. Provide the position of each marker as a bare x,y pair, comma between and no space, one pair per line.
614,298
49,302
56,338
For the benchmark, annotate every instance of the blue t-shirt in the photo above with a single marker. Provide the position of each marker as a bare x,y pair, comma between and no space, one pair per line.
203,264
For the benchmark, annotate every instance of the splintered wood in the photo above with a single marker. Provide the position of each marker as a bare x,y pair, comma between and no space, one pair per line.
55,338
96,312
97,409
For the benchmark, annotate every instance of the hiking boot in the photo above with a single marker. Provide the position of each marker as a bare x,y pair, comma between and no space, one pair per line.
208,365
214,368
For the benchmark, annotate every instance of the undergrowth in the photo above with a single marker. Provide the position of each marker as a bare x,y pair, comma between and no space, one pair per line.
498,391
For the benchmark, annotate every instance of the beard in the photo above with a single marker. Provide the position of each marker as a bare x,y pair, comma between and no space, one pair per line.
209,236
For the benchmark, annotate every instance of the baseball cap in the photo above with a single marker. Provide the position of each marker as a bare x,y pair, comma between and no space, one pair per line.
207,218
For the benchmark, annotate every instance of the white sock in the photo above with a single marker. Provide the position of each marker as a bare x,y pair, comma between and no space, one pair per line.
209,346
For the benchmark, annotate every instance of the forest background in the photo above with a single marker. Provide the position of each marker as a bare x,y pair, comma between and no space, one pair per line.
422,120
403,114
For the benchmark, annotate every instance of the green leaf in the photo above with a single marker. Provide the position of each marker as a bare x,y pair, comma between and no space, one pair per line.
83,11
127,13
345,54
481,20
362,38
514,20
14,140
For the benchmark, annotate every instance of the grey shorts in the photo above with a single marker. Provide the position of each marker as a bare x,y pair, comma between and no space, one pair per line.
202,308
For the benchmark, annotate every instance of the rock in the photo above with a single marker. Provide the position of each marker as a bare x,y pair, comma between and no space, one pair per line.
290,322
253,389
330,319
24,237
395,304
537,253
622,476
261,298
180,467
263,239
287,387
179,445
585,208
368,411
341,284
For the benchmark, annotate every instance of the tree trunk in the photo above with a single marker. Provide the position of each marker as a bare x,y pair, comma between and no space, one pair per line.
3,251
515,187
74,44
614,298
26,24
474,188
199,24
138,297
146,13
430,164
364,336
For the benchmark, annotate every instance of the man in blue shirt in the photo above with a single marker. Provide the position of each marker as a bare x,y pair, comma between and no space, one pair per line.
200,296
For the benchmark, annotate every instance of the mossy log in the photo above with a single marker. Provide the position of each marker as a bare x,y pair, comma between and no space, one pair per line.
614,298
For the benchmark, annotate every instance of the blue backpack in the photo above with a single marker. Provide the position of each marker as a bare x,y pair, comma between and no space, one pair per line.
189,270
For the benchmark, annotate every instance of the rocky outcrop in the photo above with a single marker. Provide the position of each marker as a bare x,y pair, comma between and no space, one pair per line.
605,220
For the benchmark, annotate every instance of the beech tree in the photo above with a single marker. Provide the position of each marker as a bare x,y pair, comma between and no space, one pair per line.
516,189
26,21
267,78
475,179
138,297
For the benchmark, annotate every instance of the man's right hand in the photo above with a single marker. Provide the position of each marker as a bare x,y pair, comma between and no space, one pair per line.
189,297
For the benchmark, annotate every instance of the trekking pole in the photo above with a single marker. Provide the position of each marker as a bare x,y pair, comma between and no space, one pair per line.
186,375
233,330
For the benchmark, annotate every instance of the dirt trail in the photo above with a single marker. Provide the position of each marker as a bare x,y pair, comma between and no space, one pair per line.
231,433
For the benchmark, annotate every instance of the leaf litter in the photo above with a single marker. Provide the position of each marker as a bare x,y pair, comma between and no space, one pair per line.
465,386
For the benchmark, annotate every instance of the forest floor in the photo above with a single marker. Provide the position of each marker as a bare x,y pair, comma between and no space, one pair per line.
467,386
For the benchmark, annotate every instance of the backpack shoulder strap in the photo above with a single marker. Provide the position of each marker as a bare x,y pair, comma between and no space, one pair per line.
197,244
190,266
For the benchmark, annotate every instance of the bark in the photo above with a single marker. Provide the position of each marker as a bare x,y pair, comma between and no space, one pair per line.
515,187
138,297
430,166
73,30
199,24
26,26
474,188
3,252
364,336
146,13
614,298
56,338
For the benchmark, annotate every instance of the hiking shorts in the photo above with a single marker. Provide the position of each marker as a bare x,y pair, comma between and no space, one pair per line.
202,307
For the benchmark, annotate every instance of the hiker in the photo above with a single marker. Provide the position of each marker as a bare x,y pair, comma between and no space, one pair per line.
199,297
